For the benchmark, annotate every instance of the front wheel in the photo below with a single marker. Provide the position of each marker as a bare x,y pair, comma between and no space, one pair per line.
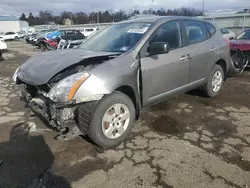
214,82
112,120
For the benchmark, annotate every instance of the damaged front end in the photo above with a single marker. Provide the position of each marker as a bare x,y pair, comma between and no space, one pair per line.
60,117
62,98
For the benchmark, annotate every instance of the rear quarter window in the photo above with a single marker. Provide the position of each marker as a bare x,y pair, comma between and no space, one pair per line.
210,28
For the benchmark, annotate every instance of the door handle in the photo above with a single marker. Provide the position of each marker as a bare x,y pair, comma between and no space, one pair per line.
212,49
185,57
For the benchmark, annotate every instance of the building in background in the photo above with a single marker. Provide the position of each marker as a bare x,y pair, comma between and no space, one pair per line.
67,22
24,26
12,24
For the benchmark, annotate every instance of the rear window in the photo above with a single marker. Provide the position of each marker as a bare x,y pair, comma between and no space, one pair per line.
69,32
89,30
211,29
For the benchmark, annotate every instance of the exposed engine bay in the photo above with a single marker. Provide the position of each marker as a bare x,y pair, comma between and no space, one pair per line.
85,65
61,116
240,60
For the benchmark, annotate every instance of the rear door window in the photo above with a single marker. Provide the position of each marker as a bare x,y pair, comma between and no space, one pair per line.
195,31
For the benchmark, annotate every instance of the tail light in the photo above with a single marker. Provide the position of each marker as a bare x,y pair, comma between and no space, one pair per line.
228,43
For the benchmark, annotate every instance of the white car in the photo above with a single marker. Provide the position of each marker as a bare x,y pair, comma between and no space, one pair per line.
227,34
21,34
10,36
88,31
3,46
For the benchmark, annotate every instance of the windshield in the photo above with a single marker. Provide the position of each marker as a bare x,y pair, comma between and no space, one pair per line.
245,35
117,38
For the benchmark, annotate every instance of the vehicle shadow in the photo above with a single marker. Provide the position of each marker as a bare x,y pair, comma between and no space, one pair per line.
1,55
25,162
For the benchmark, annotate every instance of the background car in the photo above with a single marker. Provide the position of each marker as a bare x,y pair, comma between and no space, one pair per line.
41,36
227,34
88,31
242,42
51,41
30,38
3,46
10,36
21,34
71,35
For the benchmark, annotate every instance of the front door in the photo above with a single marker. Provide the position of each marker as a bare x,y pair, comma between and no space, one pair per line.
164,75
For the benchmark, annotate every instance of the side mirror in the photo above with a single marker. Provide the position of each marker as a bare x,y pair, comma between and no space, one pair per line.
231,38
158,48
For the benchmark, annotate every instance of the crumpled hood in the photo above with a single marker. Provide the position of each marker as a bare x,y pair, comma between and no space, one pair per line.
40,68
241,44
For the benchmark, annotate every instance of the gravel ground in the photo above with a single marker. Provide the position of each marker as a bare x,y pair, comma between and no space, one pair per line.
188,141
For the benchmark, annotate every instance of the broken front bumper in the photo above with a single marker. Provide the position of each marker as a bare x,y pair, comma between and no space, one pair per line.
60,116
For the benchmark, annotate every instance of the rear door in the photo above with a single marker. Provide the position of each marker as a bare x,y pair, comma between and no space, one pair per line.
164,75
202,50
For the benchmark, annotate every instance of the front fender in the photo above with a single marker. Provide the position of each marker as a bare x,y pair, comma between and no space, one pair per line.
94,88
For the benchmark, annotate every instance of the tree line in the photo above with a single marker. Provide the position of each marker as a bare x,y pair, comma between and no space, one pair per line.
47,17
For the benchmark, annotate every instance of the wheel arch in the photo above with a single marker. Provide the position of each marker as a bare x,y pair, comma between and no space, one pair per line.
130,92
223,64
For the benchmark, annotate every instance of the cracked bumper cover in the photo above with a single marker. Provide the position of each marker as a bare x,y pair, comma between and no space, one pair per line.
59,116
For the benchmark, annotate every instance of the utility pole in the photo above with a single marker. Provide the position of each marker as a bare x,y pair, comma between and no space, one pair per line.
203,6
71,16
97,17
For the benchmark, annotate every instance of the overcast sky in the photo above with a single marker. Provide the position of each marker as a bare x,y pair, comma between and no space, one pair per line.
16,7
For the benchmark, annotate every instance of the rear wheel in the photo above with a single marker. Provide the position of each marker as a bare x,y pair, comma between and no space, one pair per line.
214,82
112,120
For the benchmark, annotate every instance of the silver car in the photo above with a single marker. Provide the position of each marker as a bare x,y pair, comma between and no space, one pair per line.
99,89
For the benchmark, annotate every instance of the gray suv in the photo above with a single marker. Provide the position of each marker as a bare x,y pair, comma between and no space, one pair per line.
98,89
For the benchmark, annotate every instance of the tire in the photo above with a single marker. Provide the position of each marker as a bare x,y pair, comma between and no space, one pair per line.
16,38
208,88
42,48
96,132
